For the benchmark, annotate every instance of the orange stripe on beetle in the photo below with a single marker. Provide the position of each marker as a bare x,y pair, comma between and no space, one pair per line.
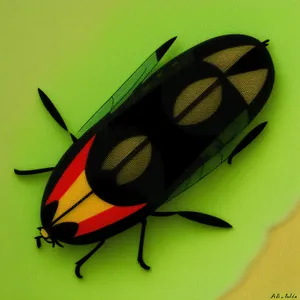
71,173
106,218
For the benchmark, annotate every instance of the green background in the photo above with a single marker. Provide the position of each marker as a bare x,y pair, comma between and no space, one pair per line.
79,53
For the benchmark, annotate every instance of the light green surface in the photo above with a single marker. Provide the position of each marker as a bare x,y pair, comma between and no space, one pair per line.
79,52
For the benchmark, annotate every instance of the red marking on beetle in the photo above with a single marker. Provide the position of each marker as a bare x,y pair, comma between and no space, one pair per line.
108,217
71,173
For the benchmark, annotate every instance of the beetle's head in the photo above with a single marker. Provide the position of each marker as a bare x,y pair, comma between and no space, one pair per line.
47,237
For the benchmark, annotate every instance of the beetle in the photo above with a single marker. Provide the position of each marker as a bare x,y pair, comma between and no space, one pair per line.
159,134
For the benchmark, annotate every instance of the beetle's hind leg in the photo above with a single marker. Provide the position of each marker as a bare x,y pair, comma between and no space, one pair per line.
141,247
85,258
196,217
248,139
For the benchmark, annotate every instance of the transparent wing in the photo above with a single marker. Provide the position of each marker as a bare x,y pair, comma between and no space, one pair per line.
122,94
202,172
216,153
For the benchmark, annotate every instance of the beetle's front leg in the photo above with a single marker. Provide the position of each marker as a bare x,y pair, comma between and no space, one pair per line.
33,172
141,247
85,258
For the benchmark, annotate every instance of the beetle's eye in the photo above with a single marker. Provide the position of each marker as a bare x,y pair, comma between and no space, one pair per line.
129,159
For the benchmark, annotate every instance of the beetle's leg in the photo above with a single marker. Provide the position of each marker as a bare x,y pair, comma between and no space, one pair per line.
141,247
38,241
196,217
266,42
247,140
32,172
54,113
85,258
57,117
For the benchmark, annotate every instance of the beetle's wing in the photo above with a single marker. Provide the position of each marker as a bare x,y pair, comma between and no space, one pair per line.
122,94
216,153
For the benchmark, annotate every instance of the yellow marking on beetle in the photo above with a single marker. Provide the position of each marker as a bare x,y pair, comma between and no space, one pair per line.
76,191
191,93
249,84
44,233
90,207
226,58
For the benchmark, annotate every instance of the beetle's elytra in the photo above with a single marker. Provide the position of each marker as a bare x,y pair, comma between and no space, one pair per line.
154,138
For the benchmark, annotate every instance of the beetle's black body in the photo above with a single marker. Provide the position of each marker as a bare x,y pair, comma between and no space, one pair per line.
180,121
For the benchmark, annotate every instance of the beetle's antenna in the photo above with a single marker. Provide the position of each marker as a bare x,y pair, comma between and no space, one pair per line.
54,113
38,241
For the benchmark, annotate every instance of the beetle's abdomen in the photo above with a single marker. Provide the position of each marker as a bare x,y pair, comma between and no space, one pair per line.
196,104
